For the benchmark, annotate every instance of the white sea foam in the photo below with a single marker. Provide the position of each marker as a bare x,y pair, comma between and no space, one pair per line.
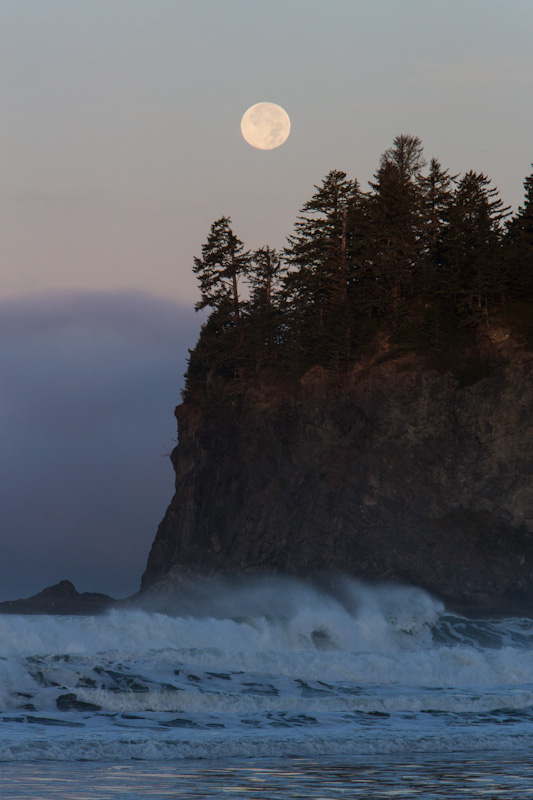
274,666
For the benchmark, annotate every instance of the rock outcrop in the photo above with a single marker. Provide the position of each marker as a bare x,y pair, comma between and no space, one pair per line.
62,598
402,473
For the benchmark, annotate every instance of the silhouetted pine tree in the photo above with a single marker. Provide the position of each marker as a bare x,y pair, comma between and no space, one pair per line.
407,155
435,318
473,276
519,247
317,286
223,261
265,277
437,189
393,244
265,318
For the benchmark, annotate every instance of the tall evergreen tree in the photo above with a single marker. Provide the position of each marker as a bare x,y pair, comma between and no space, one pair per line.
519,246
407,155
437,189
265,277
223,261
318,248
434,317
473,274
218,351
319,254
392,214
265,317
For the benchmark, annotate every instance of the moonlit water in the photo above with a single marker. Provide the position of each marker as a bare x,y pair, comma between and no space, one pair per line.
277,670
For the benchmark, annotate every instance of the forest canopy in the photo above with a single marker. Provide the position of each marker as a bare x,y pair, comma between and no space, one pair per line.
424,258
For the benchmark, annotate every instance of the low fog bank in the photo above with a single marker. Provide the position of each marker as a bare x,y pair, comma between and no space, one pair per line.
89,385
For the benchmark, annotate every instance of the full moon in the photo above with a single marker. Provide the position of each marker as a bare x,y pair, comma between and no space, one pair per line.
265,126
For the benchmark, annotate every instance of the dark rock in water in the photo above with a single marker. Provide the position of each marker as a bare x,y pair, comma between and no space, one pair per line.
178,723
70,702
400,473
62,598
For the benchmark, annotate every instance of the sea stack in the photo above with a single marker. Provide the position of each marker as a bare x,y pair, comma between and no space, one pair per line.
401,472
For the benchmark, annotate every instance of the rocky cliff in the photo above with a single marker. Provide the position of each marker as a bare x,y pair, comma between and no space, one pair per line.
402,473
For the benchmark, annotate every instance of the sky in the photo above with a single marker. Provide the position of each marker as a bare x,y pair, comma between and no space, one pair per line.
120,144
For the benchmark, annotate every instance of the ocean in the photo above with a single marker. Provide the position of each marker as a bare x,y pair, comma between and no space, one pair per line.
271,689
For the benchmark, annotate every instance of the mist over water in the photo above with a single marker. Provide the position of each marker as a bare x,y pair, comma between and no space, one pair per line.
277,613
89,385
265,667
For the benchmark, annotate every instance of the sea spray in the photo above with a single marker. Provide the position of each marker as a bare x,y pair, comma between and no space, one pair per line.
265,666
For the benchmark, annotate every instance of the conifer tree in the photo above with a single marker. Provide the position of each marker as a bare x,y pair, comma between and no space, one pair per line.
218,351
318,247
473,274
265,276
407,155
437,194
434,318
319,254
265,318
223,262
519,246
392,214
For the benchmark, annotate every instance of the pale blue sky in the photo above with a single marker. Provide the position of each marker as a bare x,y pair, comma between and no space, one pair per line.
120,138
120,144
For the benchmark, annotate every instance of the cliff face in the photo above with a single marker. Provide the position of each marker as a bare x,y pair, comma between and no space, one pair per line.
404,473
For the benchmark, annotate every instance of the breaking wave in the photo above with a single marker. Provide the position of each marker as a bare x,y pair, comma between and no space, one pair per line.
267,667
